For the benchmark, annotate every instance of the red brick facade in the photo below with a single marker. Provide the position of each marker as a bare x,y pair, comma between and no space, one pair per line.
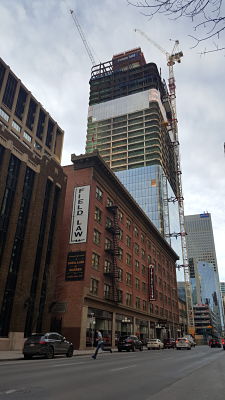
113,295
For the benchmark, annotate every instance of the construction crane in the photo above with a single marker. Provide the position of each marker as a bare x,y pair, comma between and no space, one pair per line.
73,15
172,58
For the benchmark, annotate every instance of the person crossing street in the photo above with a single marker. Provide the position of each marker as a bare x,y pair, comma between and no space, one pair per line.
100,344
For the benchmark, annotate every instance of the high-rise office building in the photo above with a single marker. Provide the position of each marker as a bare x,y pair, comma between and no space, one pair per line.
204,275
129,110
32,190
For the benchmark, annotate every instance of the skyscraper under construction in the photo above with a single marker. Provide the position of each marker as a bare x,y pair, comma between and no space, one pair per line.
128,119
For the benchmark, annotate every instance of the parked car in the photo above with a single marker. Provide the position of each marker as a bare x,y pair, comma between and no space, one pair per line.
214,342
169,343
47,344
128,343
183,343
155,344
191,340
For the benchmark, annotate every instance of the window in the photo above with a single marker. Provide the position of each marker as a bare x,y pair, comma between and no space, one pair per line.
149,260
128,241
99,194
119,296
136,233
148,244
128,224
144,287
143,269
144,305
142,254
94,286
108,244
120,236
142,238
136,248
120,274
128,299
137,266
10,90
107,266
16,126
107,291
97,236
37,146
98,215
137,283
95,260
4,115
138,302
120,215
120,253
109,202
109,222
128,259
128,278
27,136
156,309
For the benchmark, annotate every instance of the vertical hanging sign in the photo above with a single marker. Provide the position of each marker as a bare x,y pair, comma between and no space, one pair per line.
151,283
78,232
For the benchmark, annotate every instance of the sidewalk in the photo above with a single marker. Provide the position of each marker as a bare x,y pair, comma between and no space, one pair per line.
18,355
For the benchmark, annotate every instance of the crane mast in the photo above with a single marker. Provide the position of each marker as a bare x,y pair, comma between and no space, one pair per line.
172,58
83,37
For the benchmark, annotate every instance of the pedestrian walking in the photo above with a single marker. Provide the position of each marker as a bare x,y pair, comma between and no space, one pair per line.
100,344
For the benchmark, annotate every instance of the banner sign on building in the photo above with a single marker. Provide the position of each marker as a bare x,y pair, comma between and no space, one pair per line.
75,266
78,233
151,283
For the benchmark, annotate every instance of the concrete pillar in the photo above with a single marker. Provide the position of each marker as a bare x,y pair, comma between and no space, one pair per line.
83,328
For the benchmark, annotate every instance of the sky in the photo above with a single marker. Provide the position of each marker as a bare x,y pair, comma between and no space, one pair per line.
41,44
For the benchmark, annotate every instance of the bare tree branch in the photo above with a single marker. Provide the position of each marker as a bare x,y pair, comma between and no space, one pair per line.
205,15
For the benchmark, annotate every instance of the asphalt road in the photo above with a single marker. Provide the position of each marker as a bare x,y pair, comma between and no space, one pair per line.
169,374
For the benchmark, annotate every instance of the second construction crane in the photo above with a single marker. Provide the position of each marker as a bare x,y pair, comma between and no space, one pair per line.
172,58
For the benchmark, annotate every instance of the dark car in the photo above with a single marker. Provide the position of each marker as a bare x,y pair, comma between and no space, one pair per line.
47,344
169,343
128,343
214,343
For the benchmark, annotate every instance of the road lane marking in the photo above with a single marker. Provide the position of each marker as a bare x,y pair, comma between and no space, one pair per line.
74,364
10,391
119,369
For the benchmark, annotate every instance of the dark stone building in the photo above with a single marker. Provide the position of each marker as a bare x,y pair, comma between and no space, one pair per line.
32,191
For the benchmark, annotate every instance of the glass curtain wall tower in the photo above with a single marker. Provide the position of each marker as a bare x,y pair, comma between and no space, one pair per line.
203,262
128,116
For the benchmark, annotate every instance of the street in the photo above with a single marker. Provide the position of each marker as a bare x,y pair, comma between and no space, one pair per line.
198,374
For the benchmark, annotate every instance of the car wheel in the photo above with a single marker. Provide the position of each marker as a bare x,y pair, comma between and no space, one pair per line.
70,352
141,348
119,350
27,357
50,352
133,348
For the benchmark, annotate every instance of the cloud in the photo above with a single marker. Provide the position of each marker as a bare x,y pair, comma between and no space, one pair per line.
41,43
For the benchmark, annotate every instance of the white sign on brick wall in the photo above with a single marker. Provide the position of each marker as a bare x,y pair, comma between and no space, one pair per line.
78,233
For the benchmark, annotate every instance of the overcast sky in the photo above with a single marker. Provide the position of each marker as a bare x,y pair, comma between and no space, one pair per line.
41,44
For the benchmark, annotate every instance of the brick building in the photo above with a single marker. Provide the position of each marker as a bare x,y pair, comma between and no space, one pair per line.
32,191
107,247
